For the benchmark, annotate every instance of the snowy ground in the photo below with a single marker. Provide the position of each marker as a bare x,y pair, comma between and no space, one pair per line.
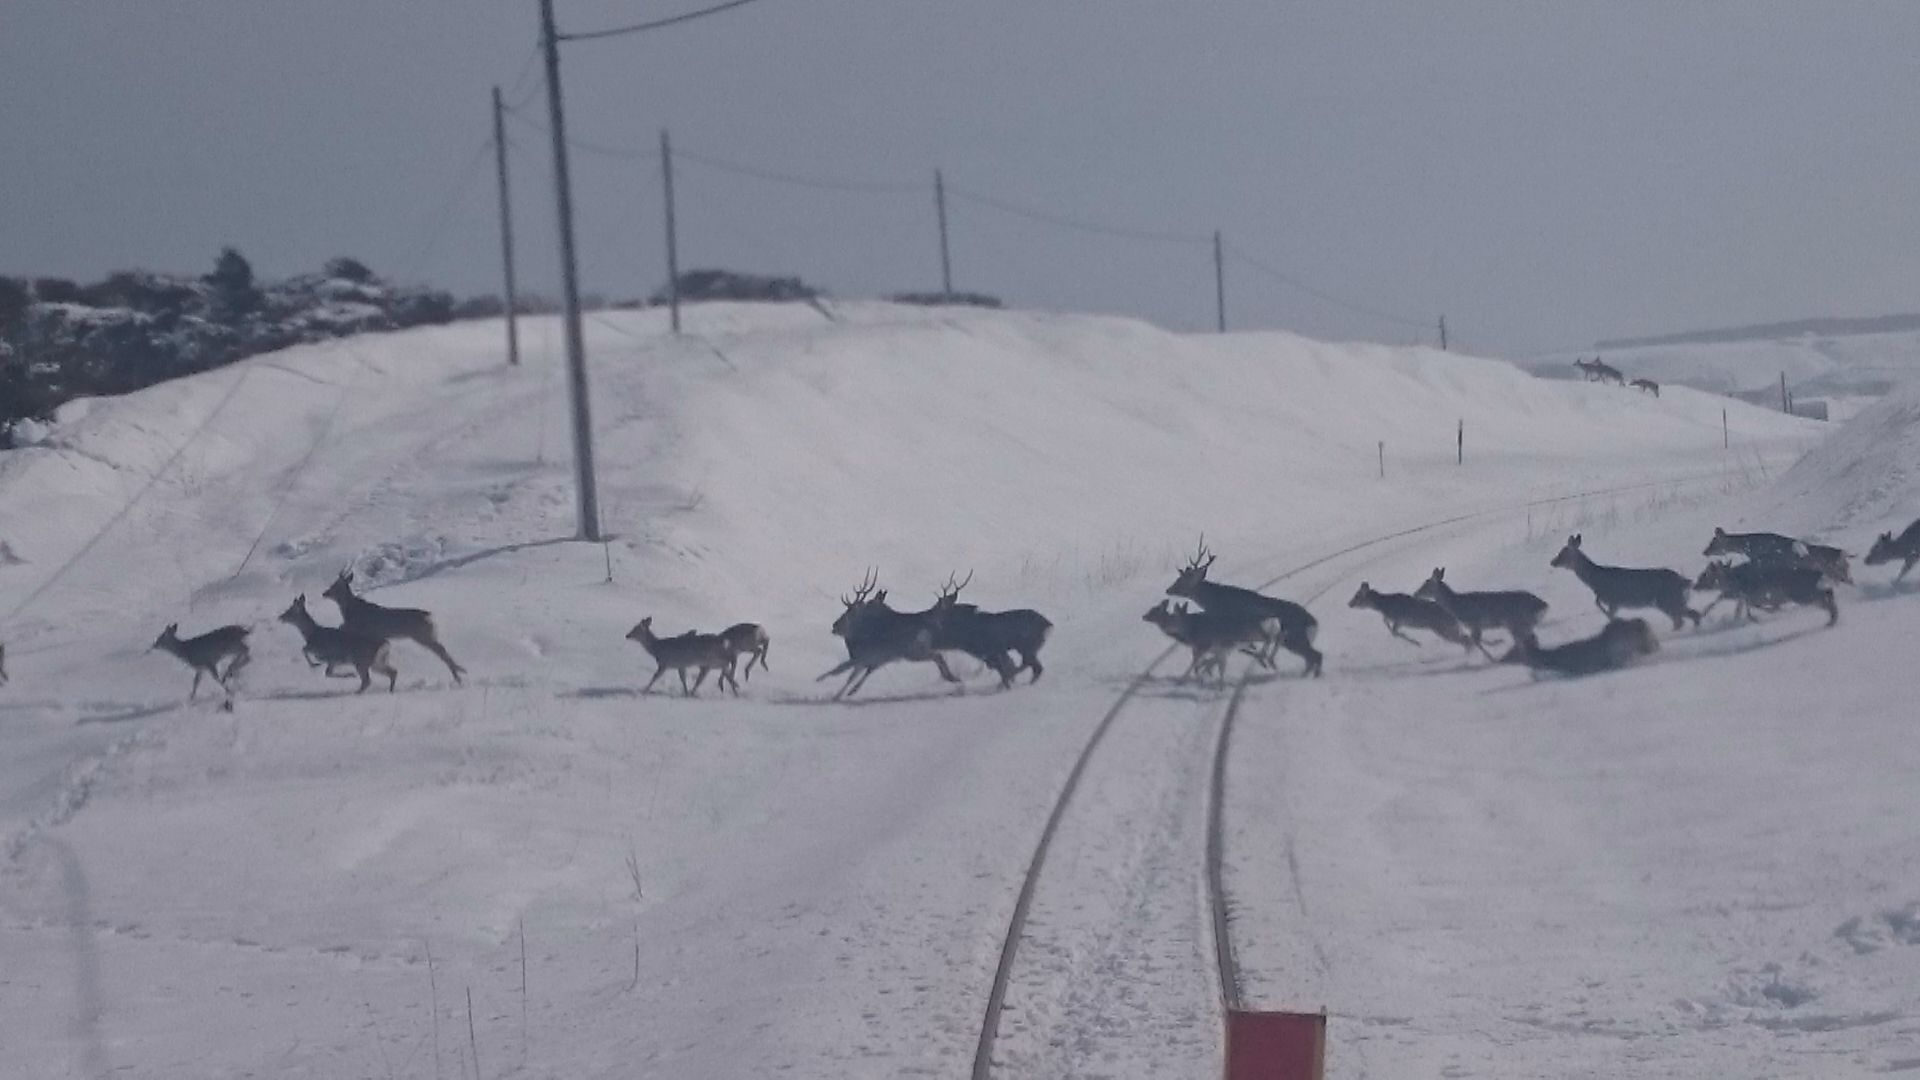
1706,867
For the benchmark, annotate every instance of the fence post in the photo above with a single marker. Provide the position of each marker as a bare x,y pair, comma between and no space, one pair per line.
940,206
1460,444
1786,406
1726,440
1443,333
1219,283
1383,459
673,238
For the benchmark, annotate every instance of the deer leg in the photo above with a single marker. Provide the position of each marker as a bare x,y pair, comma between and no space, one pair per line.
696,686
1911,560
240,660
1833,609
941,663
311,662
1481,645
1394,629
383,665
366,679
845,667
195,692
1032,661
657,672
432,645
857,680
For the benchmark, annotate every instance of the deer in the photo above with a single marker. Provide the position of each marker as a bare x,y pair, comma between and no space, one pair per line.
1400,609
1646,386
876,635
749,640
1297,627
989,636
1515,611
368,619
1620,643
204,653
332,646
1767,586
1617,588
1886,548
1597,371
1772,547
708,652
1212,637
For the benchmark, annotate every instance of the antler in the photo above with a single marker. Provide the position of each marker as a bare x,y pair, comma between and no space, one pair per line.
1202,558
951,590
865,591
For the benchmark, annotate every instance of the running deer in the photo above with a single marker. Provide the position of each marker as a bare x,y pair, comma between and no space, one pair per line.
1597,371
1399,609
332,646
1514,611
1212,637
1767,586
1886,548
1617,588
876,635
1646,386
204,653
1297,627
749,640
1621,643
368,619
1772,547
708,652
988,636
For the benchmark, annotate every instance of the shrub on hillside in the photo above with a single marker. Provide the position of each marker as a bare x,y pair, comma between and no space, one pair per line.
699,285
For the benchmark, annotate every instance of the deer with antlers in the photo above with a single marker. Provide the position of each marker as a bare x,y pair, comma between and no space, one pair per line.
989,636
1297,627
877,635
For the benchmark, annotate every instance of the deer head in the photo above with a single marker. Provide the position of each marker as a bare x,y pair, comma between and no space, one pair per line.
1882,550
1363,598
642,630
296,611
862,596
1432,587
341,588
169,636
1570,554
1194,573
950,592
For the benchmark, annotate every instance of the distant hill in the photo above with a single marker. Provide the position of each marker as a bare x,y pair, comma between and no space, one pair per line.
1823,327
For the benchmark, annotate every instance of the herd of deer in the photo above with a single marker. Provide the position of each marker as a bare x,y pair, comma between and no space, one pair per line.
1775,571
1597,370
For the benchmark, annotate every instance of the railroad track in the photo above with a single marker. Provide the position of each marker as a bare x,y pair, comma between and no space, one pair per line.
1231,992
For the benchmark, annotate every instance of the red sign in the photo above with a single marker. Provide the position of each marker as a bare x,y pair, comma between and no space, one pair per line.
1276,1046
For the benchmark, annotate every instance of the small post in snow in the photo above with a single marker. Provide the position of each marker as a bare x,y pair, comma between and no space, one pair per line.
1786,406
673,237
1460,444
940,209
1383,459
1443,333
1219,283
1726,439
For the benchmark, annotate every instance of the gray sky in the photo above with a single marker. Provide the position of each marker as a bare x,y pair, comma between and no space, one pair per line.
1543,173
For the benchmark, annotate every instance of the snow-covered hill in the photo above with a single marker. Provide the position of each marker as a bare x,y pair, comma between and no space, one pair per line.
1849,371
1471,871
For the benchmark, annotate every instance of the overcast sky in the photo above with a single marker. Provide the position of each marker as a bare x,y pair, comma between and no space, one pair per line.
1542,173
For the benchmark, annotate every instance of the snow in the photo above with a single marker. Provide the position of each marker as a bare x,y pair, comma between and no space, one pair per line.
1703,866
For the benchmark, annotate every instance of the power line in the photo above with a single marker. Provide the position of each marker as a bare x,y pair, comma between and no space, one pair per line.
655,24
1357,308
526,69
879,187
589,146
1080,224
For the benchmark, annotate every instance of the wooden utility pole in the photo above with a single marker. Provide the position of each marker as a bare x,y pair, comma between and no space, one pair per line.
673,234
1786,404
587,498
1219,283
1443,333
940,208
1460,444
506,228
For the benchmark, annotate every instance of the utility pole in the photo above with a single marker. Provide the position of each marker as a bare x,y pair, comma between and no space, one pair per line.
940,207
1443,333
588,499
1219,283
673,237
506,228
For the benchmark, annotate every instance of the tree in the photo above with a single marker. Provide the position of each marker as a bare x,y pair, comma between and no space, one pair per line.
14,301
349,269
234,293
